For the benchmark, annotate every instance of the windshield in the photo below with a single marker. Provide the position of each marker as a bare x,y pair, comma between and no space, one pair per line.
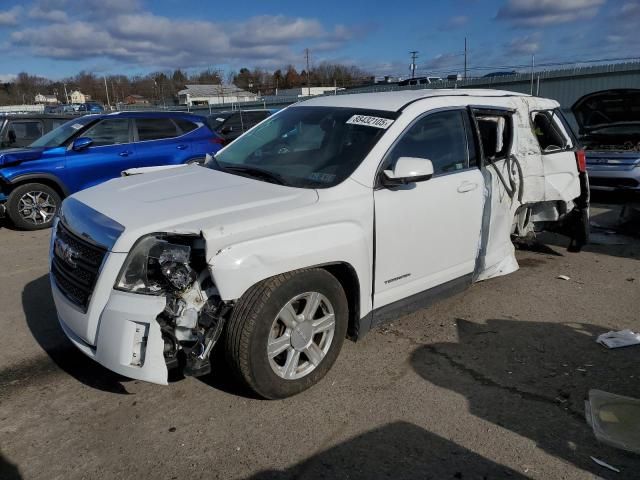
59,136
307,147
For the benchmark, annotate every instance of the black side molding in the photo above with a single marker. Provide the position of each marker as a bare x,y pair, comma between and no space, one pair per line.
412,304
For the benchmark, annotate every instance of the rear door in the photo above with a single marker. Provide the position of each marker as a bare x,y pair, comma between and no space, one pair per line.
159,141
558,155
111,152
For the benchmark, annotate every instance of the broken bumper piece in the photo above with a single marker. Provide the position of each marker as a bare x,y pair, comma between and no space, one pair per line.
129,341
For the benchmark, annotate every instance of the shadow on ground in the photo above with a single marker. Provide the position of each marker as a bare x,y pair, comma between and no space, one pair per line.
8,471
399,450
532,378
42,321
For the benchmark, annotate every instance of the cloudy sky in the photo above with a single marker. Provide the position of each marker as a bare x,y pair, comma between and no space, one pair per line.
57,38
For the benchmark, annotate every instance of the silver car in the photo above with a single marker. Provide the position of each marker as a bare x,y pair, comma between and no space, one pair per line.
609,129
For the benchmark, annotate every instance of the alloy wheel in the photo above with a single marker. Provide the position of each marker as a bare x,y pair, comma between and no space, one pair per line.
301,335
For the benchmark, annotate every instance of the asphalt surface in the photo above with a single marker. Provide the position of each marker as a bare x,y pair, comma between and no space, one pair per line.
487,384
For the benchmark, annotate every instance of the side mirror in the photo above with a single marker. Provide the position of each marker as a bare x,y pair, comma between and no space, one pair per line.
12,137
408,170
81,143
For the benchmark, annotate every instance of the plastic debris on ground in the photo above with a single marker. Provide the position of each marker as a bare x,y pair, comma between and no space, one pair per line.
615,419
605,464
623,338
563,277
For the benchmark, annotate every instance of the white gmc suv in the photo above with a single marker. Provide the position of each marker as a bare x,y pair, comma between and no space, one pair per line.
318,224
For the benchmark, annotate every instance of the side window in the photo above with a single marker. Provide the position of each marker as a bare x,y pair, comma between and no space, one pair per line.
233,124
253,118
56,123
24,130
185,125
440,137
156,128
112,131
549,131
495,135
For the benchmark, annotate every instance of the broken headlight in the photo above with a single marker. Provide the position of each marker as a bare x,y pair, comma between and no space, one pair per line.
156,265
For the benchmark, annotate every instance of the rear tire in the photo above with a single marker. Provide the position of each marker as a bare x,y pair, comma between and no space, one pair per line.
286,332
33,206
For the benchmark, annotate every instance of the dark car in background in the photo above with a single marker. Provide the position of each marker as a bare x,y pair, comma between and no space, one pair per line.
230,125
609,129
92,149
21,130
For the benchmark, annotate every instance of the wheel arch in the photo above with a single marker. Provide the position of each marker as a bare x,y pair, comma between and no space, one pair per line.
44,178
348,278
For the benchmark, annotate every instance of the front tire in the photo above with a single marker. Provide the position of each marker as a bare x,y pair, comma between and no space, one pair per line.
286,332
33,206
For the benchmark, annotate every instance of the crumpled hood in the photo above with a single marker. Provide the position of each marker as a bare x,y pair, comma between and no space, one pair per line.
16,155
192,199
607,108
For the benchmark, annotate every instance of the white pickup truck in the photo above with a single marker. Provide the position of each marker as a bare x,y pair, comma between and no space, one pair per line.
318,224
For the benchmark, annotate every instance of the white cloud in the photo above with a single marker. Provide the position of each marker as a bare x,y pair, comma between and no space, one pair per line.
9,18
144,39
7,77
52,15
527,45
540,13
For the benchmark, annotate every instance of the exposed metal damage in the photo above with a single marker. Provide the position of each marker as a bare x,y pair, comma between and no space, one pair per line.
194,315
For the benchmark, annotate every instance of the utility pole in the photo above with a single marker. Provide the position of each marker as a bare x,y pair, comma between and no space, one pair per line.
533,64
107,91
414,56
465,59
306,54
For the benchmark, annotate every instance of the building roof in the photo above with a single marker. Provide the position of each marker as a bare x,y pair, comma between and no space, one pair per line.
394,101
214,91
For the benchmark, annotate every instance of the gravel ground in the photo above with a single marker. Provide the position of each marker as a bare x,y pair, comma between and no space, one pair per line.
488,384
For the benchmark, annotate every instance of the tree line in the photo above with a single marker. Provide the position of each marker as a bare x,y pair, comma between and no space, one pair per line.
163,87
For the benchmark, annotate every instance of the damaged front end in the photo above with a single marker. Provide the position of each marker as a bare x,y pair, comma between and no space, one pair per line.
174,267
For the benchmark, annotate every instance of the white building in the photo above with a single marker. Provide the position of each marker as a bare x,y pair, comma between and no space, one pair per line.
213,95
46,99
306,91
78,97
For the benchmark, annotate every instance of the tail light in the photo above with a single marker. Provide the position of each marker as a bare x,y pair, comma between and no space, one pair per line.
217,140
581,160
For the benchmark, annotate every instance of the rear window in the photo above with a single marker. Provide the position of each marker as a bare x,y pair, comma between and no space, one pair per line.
185,125
550,131
156,128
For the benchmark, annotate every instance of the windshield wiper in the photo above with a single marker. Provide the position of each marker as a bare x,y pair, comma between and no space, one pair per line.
255,173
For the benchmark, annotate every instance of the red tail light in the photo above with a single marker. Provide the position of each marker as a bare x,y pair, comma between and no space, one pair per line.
217,140
581,160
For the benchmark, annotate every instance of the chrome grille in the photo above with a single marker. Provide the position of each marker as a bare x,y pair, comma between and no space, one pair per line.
75,265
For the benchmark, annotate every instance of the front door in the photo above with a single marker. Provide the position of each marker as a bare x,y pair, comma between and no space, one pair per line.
111,152
428,233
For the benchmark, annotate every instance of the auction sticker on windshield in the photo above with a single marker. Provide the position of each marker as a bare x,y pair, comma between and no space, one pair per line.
377,122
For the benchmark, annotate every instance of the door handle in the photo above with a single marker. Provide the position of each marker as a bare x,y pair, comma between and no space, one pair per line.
181,147
126,153
467,187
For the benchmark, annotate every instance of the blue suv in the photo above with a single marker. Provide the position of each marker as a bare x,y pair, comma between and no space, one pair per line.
92,149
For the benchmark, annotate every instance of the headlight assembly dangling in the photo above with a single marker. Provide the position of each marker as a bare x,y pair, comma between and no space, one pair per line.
155,266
